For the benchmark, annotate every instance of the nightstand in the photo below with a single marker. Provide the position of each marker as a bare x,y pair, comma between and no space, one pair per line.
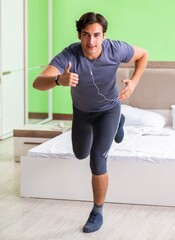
30,136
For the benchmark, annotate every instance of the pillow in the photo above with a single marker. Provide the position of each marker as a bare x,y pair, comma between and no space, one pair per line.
143,118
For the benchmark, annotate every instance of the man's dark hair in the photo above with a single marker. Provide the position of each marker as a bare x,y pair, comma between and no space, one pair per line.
90,18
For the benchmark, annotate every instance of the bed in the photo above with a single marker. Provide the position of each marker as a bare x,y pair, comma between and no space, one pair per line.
141,168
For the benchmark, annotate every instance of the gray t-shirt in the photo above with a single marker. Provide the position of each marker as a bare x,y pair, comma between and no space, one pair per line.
96,90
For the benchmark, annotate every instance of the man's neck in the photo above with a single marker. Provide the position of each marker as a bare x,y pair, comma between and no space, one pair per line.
93,56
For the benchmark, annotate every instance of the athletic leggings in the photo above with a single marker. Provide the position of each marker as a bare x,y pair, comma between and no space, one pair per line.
93,134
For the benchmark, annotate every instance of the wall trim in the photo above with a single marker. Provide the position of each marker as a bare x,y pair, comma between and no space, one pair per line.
55,116
58,116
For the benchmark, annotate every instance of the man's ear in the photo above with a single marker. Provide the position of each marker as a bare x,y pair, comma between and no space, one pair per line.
104,35
79,35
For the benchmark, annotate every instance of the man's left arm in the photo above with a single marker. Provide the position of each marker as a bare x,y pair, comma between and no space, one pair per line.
140,58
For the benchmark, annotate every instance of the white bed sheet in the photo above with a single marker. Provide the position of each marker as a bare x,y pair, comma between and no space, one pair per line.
138,145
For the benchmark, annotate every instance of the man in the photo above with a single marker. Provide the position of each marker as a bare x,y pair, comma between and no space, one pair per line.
89,68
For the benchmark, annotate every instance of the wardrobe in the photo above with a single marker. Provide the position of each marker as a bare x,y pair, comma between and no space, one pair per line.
25,48
12,85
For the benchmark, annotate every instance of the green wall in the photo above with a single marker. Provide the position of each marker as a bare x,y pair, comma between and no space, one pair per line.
148,24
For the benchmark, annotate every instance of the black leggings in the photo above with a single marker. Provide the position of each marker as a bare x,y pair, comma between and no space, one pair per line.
93,133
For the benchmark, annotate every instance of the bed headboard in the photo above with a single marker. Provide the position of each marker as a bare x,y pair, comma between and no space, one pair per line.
156,89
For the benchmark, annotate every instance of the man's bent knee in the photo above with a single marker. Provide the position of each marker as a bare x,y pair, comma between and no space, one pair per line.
80,156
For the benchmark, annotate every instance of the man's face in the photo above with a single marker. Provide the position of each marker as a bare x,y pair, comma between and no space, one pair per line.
91,40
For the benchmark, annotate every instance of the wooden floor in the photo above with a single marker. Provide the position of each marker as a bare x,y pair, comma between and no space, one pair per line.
42,219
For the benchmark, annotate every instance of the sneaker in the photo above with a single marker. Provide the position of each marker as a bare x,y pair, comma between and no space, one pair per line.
120,132
93,223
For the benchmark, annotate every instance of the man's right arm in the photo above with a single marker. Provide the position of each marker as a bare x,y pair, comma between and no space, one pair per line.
46,79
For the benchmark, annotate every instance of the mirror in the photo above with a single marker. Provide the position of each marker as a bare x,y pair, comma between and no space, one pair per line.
38,52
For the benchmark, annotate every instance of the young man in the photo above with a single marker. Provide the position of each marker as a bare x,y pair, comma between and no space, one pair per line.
89,68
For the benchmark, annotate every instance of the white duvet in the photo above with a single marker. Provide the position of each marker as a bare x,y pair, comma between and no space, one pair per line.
139,144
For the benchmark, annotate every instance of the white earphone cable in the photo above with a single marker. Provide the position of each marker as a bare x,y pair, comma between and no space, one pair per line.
93,80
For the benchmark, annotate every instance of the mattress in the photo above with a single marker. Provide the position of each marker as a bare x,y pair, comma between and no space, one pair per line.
138,145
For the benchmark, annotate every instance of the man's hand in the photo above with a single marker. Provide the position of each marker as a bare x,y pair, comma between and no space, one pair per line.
68,78
140,58
128,90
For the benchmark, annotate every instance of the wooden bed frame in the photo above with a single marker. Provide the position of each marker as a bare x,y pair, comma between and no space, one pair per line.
133,183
